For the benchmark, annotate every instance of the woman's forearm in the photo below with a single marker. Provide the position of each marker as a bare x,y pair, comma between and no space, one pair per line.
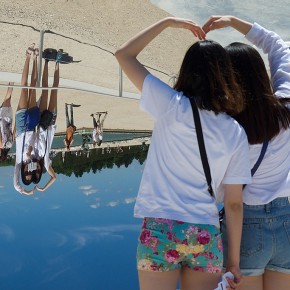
240,25
234,220
137,43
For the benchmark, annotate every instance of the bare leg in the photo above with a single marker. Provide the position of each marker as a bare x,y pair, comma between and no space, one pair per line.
53,95
254,283
44,94
7,99
158,280
32,92
200,280
94,122
72,115
23,100
66,115
276,280
102,122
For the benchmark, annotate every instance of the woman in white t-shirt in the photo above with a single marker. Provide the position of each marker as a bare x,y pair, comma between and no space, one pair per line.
26,120
98,128
47,126
265,247
6,132
180,238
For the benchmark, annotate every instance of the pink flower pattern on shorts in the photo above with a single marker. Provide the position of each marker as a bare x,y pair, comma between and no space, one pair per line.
166,245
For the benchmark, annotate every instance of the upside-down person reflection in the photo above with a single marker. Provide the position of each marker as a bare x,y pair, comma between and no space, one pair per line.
35,127
6,133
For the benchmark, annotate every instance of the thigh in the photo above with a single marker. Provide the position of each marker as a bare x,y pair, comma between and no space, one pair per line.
193,280
158,280
256,242
253,283
280,261
276,280
20,121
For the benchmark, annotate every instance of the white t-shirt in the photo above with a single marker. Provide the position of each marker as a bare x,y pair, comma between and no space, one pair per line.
97,135
272,179
38,141
6,116
43,144
173,184
23,141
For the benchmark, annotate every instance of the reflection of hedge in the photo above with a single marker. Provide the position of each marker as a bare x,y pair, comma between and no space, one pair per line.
9,162
97,159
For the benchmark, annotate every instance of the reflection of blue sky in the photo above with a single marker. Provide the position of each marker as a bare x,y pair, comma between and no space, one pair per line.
76,235
274,15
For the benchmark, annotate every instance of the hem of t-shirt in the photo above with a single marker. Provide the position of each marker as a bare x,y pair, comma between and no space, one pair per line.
186,219
257,202
237,180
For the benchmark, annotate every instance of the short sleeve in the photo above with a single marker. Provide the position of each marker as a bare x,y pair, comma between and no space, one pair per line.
239,168
155,96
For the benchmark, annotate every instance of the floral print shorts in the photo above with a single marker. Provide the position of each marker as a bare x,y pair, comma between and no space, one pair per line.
166,245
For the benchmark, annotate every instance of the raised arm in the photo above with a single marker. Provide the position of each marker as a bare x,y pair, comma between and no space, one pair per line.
269,41
16,182
278,56
51,180
127,53
217,22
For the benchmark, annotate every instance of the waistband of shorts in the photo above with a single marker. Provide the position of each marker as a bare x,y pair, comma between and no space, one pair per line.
277,202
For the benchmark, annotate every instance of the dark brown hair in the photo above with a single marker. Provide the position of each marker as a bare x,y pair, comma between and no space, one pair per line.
264,114
206,74
35,176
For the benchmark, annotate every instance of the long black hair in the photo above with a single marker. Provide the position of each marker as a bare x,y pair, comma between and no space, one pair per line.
35,174
264,114
206,74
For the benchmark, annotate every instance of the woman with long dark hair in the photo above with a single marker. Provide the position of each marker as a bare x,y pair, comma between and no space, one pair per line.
6,131
26,121
180,237
265,248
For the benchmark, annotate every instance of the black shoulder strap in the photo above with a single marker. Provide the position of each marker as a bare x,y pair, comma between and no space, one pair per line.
258,162
201,145
262,154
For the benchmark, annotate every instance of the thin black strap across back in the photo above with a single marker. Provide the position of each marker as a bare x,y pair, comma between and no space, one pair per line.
262,154
202,150
201,146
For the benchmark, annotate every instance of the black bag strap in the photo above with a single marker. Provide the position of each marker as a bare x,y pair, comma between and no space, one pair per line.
201,146
203,151
259,160
262,154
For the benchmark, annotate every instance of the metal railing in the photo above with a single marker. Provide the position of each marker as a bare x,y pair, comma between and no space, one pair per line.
118,93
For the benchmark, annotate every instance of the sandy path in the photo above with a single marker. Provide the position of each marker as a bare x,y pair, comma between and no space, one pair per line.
90,30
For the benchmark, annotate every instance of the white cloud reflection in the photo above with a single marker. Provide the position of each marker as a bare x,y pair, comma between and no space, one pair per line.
88,189
82,236
6,233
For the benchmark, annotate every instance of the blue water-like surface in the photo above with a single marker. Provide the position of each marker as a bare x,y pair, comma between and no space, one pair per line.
79,234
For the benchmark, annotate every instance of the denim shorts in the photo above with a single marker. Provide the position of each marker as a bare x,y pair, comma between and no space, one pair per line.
166,245
265,241
27,120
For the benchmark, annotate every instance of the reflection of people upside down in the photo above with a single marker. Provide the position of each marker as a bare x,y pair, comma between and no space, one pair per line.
70,126
35,127
98,128
6,133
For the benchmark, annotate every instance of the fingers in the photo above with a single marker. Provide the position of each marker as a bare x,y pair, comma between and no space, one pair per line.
196,29
216,22
206,27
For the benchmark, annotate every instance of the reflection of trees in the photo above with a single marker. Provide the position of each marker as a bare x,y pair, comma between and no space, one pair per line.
79,162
